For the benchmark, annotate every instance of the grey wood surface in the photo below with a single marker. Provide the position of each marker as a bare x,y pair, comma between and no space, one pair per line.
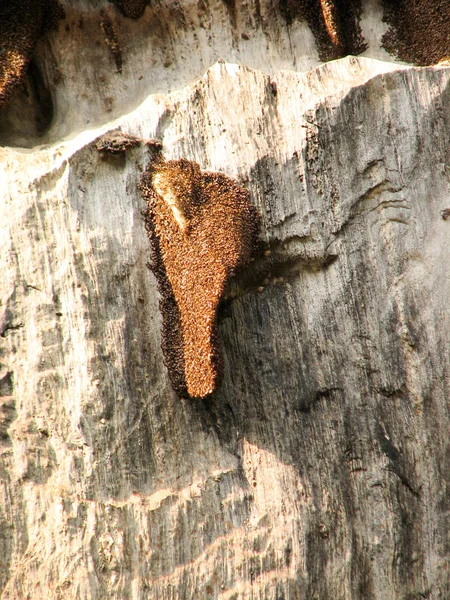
320,469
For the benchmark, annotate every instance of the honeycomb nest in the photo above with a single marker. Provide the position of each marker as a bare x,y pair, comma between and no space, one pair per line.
134,9
335,24
22,22
202,227
419,31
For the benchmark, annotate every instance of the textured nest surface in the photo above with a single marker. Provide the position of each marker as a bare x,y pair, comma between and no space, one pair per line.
419,32
131,8
334,23
202,227
21,24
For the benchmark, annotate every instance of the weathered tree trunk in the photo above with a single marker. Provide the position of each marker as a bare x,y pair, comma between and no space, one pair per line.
320,469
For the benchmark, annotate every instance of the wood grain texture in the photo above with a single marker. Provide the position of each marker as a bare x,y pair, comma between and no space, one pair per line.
320,470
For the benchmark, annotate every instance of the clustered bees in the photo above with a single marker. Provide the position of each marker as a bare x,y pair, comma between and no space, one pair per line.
202,227
419,32
21,24
111,39
133,9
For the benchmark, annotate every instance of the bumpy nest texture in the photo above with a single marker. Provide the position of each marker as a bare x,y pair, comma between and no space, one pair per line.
420,30
334,23
21,24
134,9
202,227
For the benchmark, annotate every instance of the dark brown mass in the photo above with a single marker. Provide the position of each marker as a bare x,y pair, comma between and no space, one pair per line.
334,23
111,39
116,143
202,227
420,30
21,24
134,9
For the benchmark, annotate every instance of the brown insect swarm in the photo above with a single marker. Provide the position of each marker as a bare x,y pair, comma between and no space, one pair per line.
202,227
134,9
332,24
111,39
419,31
335,24
116,143
21,24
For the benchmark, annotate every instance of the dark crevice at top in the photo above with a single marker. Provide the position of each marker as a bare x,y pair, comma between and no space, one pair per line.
44,114
29,114
26,106
22,22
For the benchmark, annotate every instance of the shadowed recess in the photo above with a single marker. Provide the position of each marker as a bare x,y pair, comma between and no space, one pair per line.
21,24
202,227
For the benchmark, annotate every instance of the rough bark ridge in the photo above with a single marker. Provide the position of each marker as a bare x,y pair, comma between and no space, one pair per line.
321,467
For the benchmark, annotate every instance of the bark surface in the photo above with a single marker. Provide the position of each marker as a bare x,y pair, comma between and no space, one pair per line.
320,468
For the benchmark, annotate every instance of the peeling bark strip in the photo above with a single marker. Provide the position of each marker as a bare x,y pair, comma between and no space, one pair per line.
21,24
202,227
